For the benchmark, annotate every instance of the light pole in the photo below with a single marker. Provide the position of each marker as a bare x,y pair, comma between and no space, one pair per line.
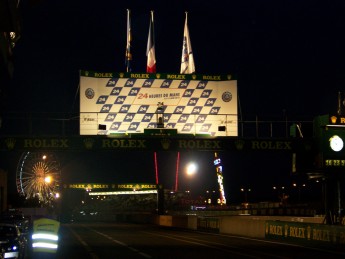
245,191
281,194
191,170
299,189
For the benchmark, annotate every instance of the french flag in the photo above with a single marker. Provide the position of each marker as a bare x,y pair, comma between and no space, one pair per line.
150,51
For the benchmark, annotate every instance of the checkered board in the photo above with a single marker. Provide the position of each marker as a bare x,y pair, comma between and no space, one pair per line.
125,104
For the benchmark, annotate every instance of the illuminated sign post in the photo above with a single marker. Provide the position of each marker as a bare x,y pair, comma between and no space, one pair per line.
331,137
132,187
219,170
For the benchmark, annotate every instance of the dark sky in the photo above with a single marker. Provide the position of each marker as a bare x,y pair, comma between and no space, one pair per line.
288,57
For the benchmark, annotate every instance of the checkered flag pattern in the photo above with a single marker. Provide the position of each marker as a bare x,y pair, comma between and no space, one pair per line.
130,105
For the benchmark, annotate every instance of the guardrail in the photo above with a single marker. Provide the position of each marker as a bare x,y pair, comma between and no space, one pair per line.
46,123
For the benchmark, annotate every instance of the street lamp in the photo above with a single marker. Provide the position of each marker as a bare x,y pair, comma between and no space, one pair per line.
191,169
299,187
281,194
245,191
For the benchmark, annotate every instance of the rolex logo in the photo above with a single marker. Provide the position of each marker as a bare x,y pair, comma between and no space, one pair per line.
10,143
165,143
334,119
239,144
88,143
87,73
122,75
194,77
229,77
158,76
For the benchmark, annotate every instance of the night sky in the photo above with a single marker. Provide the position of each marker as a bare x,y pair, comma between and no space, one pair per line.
288,57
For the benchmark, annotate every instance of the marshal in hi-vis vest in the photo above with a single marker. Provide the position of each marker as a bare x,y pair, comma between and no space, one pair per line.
45,235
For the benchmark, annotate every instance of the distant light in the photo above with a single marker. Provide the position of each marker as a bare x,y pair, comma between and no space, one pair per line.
191,168
122,192
335,126
48,179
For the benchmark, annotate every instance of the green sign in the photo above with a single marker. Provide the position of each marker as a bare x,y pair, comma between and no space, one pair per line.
333,146
112,186
330,139
305,233
152,143
207,77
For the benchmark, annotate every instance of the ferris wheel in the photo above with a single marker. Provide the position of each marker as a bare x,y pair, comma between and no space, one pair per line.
38,176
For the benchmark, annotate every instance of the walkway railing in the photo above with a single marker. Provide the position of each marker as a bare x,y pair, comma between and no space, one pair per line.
45,123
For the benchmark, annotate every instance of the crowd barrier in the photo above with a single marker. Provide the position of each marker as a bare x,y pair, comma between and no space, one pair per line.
300,230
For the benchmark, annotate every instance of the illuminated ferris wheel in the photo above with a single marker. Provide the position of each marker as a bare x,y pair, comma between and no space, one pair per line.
38,176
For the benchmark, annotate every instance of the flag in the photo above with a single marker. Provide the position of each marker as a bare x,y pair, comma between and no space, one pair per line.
129,40
187,60
150,51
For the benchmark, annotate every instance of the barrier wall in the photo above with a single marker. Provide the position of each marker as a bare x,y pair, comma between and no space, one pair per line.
254,226
300,230
187,222
310,234
249,226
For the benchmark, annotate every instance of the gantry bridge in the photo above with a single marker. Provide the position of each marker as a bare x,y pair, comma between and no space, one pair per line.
43,131
53,132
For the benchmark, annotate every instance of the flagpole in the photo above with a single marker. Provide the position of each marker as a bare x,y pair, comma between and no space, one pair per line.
187,59
129,39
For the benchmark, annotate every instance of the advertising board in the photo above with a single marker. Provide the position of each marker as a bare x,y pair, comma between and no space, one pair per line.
129,103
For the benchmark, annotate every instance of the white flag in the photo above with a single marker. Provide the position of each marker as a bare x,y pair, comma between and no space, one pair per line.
187,60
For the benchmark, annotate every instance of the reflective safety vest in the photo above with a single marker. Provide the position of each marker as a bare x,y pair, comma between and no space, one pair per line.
45,235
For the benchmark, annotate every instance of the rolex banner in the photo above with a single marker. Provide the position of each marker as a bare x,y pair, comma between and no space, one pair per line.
129,103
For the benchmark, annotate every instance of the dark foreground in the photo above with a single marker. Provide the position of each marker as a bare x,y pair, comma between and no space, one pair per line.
100,240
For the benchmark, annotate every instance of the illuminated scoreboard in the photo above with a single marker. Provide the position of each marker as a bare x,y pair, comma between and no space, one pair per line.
331,137
333,147
112,103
